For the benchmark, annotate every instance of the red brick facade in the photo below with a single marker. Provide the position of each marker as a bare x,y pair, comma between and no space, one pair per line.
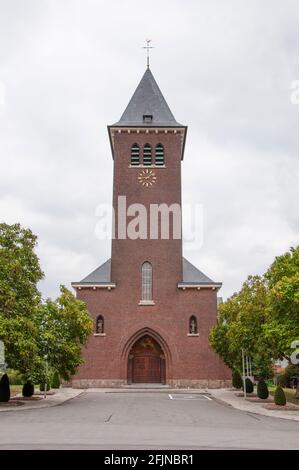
189,360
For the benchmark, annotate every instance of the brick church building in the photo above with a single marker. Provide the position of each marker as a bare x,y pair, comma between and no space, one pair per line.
152,309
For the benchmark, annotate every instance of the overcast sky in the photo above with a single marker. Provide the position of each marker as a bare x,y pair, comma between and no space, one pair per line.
69,67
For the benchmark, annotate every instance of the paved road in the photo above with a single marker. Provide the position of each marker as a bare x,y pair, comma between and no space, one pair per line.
132,420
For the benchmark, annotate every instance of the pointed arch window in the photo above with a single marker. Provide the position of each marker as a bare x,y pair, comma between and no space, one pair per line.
147,282
100,330
147,155
193,329
159,155
135,155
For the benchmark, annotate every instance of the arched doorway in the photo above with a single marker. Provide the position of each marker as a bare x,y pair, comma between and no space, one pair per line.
146,362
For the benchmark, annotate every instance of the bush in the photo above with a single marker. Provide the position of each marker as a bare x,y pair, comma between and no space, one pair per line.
237,379
55,380
262,390
4,388
279,396
28,389
42,386
248,385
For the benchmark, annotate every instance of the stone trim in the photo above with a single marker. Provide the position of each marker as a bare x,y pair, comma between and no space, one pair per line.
193,334
175,383
99,334
201,383
184,286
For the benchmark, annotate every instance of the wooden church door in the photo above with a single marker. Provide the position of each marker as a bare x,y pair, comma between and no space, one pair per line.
146,362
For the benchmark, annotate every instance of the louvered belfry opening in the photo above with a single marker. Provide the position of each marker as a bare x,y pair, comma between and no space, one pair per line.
135,155
159,157
147,155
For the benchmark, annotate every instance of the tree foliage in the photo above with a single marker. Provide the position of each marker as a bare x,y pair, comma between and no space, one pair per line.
63,328
262,318
19,297
32,330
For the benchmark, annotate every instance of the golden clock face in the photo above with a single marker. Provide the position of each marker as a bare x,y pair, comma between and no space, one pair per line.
147,178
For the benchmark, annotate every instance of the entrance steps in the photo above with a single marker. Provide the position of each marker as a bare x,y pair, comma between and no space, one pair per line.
146,386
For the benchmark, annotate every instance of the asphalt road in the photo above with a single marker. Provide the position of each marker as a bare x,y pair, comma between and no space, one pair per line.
96,420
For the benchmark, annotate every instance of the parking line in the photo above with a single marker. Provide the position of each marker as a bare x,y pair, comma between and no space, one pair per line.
170,396
208,398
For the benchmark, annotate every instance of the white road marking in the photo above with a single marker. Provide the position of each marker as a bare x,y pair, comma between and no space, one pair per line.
208,398
178,396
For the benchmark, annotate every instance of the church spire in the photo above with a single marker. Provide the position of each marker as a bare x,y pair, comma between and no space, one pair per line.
148,107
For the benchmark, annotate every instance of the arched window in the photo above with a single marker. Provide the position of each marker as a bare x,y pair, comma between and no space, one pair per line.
100,325
159,160
147,281
147,155
135,154
193,330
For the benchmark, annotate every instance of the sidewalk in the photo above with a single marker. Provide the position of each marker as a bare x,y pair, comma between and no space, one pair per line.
229,398
61,396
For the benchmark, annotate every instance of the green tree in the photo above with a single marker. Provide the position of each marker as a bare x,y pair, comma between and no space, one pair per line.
240,326
19,297
64,326
282,327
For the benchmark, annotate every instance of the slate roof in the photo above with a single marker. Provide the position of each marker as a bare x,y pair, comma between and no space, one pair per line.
147,100
102,275
192,275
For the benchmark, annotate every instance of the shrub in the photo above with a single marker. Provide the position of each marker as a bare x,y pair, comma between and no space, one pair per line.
55,380
42,386
28,389
4,388
279,396
248,385
262,390
237,379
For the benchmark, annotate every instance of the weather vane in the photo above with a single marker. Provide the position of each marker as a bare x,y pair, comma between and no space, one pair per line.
148,47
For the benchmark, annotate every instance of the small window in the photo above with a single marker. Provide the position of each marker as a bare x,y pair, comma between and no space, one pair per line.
135,154
147,155
100,325
147,281
193,330
147,118
159,160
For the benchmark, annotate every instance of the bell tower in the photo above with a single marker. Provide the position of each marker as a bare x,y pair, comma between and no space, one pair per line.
147,147
152,309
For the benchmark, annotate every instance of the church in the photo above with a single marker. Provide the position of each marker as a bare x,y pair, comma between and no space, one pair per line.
152,309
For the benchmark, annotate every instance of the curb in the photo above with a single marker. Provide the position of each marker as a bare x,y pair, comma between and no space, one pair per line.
40,406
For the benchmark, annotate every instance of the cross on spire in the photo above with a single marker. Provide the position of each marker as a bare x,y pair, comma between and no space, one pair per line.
148,47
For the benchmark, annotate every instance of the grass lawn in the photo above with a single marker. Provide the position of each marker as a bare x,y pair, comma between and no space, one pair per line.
289,393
